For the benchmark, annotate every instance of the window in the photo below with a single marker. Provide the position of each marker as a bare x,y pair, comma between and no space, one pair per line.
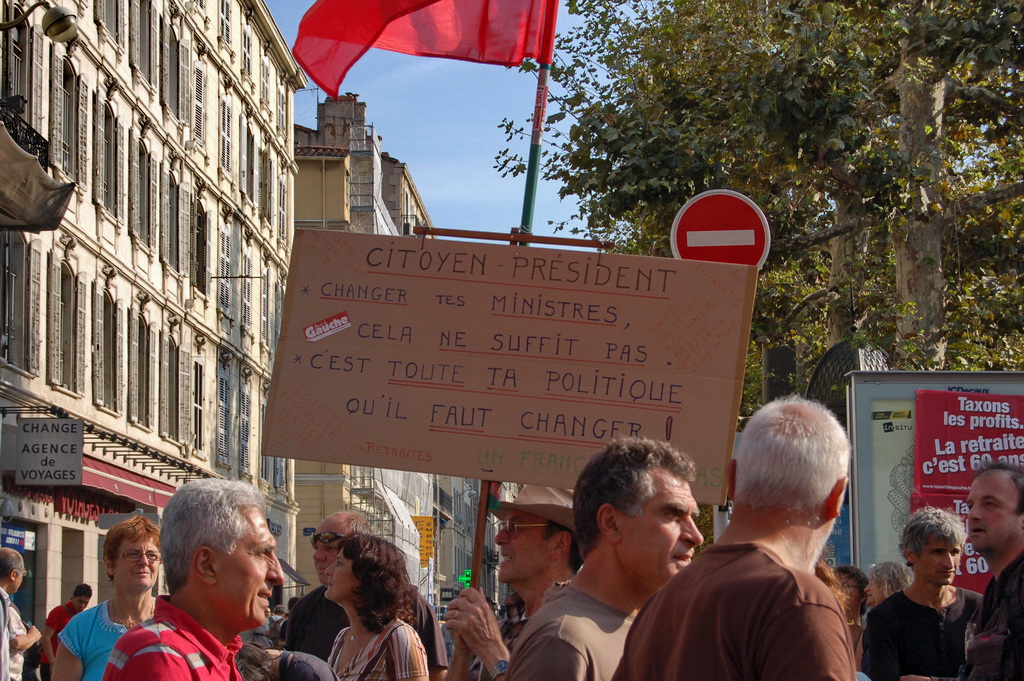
65,332
171,233
14,297
110,153
171,398
225,21
223,417
225,134
266,469
143,352
112,18
145,39
200,249
244,154
111,341
199,106
279,473
198,425
69,122
142,176
265,79
246,49
282,108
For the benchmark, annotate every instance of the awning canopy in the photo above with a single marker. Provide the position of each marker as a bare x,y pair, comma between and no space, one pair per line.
125,483
292,572
29,198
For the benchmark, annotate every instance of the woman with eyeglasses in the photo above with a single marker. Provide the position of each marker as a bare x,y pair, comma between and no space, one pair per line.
370,582
131,554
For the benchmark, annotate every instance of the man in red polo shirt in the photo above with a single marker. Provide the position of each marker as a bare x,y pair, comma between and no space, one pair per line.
55,623
221,570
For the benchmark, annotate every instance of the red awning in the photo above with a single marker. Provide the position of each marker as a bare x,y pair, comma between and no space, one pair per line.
125,483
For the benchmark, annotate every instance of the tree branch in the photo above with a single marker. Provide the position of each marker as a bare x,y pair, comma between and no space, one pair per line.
989,197
975,93
799,243
807,300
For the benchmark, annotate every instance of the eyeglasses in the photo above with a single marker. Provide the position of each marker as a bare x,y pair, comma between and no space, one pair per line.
136,556
325,538
510,527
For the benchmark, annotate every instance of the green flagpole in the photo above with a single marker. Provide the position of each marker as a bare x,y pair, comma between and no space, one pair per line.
539,116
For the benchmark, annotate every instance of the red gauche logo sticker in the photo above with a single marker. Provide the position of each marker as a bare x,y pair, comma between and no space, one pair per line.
325,328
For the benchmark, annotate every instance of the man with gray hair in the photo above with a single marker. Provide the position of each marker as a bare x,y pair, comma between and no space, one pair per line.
634,516
750,606
919,631
12,574
219,561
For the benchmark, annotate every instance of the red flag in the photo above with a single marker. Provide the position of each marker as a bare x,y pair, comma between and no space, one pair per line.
334,34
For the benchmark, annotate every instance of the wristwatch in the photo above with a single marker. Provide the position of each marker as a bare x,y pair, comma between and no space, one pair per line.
499,669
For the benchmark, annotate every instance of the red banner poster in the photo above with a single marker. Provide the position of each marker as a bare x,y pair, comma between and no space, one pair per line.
958,433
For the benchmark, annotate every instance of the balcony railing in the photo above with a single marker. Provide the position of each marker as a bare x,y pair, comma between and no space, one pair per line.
26,136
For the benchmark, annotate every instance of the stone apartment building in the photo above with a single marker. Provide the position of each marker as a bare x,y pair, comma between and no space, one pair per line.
150,313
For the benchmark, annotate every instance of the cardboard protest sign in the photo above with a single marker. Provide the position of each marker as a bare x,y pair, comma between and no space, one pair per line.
958,433
504,363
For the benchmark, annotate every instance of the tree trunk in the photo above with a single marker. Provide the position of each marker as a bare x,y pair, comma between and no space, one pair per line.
917,236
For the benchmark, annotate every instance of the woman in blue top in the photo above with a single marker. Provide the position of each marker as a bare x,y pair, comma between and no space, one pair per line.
131,554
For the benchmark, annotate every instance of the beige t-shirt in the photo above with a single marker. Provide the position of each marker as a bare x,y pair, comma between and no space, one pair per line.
573,637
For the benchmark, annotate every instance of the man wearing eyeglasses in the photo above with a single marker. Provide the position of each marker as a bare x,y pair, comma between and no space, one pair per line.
535,540
314,622
12,574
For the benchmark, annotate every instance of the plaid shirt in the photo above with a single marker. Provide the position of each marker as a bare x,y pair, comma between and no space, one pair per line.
511,625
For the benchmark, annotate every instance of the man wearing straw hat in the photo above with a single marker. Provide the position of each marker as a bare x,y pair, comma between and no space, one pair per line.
535,540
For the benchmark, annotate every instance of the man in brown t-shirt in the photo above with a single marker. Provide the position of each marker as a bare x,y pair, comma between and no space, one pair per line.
750,606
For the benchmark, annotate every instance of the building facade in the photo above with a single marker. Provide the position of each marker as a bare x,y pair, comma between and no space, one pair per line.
151,313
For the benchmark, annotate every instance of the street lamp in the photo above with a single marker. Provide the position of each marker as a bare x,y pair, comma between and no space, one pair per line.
60,24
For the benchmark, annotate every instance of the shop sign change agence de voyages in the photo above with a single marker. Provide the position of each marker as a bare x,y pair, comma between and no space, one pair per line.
49,452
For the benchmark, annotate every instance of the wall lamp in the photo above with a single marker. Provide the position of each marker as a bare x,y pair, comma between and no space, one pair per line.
60,24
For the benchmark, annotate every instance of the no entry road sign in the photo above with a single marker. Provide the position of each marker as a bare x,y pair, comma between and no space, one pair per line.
721,225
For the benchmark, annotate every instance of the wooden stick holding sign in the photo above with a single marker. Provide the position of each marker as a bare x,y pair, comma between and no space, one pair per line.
480,534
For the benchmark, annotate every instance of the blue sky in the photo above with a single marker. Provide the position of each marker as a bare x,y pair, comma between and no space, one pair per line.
441,117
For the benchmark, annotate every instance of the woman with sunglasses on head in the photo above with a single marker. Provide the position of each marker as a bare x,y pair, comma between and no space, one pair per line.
131,554
370,582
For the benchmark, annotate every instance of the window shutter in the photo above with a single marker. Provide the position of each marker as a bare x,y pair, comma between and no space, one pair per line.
165,212
199,102
223,402
57,105
133,33
119,170
225,133
81,295
243,161
184,201
279,473
224,270
154,39
99,12
36,103
247,291
97,343
35,294
97,148
133,366
119,347
122,19
282,210
165,374
184,392
245,407
133,184
265,305
247,49
184,57
267,201
166,37
257,177
83,132
53,326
